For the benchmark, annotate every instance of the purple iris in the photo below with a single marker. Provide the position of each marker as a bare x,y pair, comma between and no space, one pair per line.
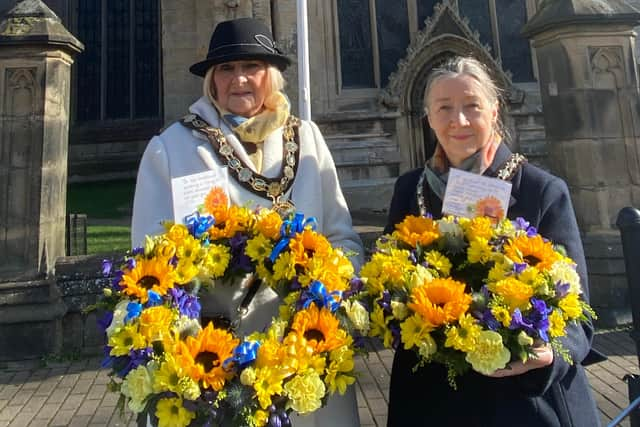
395,333
521,224
117,278
105,320
562,289
532,231
187,304
355,286
385,302
536,323
130,263
518,267
139,250
412,257
487,319
239,260
107,265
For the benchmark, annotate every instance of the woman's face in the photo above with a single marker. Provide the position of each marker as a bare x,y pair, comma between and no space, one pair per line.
240,86
461,116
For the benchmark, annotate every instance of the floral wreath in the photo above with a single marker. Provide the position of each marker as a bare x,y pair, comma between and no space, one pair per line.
175,371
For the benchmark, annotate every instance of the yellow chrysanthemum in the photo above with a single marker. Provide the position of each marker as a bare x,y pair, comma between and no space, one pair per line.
440,301
387,271
464,336
259,248
269,223
489,353
155,324
284,268
259,418
216,203
571,307
171,413
479,251
413,331
557,324
501,313
148,274
186,270
414,230
217,260
189,250
479,227
514,293
305,392
533,251
439,262
203,356
334,271
320,328
268,383
308,244
378,322
171,376
341,362
125,339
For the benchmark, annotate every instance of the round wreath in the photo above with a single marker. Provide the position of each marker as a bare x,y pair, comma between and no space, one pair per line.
170,366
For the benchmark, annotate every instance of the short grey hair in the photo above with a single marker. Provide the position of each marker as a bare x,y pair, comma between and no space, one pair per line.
275,83
467,66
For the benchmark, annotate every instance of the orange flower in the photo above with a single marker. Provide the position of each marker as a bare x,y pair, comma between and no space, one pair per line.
217,203
203,357
269,223
440,301
490,207
308,244
533,251
320,328
416,230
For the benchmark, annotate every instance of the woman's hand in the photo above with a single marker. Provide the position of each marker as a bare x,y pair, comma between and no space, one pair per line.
543,357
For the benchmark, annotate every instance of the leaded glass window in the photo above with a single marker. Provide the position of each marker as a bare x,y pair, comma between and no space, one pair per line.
393,35
356,53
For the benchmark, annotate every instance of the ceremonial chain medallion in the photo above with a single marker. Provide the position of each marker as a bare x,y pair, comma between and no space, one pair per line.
505,173
273,189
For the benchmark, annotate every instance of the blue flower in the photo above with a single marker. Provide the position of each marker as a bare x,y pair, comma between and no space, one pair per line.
154,298
107,265
133,311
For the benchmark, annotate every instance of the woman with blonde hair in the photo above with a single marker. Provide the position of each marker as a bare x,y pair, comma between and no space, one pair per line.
462,106
242,126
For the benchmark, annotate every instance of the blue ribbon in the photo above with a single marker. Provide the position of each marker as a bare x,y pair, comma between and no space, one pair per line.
154,298
318,293
243,354
289,229
198,225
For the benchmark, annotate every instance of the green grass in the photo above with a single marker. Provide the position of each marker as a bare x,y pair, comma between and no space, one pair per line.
108,238
101,200
108,208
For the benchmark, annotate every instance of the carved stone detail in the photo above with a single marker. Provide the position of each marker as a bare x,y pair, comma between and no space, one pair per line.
433,41
607,67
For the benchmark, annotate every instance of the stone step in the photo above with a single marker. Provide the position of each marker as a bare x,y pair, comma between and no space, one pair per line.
369,194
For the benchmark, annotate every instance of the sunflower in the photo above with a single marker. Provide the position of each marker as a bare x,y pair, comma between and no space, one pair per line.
148,275
320,328
533,251
308,244
440,301
203,356
416,230
216,203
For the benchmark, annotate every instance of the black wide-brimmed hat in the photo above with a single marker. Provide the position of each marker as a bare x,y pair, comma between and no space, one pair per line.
243,38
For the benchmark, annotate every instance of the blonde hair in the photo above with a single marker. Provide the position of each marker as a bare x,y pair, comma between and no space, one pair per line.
275,83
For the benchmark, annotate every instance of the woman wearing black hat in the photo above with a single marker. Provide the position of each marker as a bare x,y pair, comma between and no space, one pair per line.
272,159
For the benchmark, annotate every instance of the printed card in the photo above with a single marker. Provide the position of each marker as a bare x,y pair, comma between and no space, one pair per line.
190,191
470,195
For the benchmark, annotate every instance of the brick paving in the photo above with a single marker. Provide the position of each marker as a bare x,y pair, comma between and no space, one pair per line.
75,393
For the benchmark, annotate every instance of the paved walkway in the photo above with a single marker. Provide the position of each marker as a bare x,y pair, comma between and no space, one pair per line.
75,393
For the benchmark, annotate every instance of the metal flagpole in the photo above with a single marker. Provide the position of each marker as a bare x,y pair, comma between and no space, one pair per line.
304,95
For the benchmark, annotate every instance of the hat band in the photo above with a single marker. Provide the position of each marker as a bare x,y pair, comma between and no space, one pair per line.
227,46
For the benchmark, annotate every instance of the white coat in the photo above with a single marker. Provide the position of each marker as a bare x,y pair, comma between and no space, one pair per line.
179,151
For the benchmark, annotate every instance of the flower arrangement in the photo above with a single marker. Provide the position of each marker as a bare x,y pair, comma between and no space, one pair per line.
169,367
471,293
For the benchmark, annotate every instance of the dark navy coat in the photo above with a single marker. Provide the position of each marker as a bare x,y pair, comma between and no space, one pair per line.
558,395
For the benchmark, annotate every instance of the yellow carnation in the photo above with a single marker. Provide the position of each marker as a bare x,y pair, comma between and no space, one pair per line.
137,386
489,354
305,392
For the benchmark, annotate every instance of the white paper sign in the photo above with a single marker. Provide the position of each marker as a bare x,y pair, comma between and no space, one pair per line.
470,195
190,191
